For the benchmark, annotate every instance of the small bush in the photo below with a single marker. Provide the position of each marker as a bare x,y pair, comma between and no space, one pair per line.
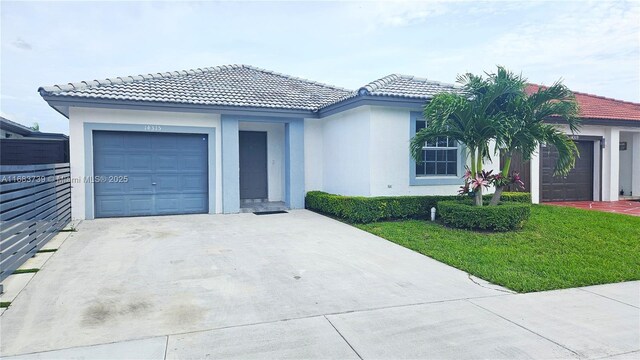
508,215
521,197
359,209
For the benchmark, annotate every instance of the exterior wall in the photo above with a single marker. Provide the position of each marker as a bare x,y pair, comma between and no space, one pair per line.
345,155
626,163
611,165
78,116
390,158
617,167
366,153
635,179
535,176
313,152
275,156
362,151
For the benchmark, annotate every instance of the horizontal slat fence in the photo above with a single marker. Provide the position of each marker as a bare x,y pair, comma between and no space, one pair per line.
35,204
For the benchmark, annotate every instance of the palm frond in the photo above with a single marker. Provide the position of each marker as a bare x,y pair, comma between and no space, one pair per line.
567,149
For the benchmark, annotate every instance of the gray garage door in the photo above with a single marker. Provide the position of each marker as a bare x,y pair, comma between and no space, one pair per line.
577,185
149,173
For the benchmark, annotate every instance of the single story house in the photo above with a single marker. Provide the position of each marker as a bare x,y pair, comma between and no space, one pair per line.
232,138
608,168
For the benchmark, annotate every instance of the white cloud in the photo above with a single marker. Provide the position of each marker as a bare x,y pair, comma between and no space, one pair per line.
602,40
375,14
21,44
594,46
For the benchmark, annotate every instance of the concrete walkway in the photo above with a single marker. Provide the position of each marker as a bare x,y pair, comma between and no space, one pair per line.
295,285
628,207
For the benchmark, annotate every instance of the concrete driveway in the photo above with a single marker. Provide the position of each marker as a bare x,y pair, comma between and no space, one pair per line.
295,285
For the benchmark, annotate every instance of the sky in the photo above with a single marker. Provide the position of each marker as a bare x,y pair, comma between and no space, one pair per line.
593,46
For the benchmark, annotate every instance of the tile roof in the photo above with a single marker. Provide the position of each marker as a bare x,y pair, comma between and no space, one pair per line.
407,86
229,85
240,85
248,86
402,86
600,107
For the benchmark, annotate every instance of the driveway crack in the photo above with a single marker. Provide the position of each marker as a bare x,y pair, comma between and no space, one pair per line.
487,287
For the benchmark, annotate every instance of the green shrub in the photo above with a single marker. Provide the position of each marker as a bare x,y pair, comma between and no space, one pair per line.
508,215
358,209
521,197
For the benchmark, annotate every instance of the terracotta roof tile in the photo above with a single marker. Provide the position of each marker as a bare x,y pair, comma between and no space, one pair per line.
600,107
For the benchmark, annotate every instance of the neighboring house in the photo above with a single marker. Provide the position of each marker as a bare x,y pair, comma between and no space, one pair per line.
609,162
225,139
20,145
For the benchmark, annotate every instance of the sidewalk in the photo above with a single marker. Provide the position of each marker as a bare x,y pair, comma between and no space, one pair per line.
592,322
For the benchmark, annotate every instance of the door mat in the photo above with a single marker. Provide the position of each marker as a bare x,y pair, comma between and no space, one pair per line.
270,212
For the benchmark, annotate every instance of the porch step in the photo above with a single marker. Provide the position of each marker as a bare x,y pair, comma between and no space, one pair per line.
258,206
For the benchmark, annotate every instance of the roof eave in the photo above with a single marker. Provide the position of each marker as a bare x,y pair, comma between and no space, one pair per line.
14,128
412,103
599,122
62,104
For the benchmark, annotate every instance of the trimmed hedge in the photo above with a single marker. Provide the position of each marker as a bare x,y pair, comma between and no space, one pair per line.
358,209
508,215
520,197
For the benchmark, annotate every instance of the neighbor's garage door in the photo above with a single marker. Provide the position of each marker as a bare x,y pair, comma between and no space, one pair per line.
577,185
149,173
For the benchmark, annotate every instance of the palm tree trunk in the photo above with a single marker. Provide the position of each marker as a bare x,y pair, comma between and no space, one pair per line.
495,199
472,154
478,199
507,164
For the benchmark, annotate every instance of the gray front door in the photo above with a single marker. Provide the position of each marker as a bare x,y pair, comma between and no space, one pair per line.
149,173
253,165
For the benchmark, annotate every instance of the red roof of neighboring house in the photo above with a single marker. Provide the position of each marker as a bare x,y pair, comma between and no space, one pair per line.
600,107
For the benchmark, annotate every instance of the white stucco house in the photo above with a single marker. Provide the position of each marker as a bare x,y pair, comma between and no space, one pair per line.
235,138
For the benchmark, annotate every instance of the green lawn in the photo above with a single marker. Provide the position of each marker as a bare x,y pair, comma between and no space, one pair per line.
558,248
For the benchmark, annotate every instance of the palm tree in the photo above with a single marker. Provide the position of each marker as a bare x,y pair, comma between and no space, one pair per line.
465,117
526,128
497,107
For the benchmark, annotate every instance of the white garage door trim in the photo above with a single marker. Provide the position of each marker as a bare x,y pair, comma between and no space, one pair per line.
89,128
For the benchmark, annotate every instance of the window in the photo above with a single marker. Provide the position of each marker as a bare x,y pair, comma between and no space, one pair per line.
439,157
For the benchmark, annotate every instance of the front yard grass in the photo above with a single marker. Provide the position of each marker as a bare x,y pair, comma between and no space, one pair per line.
558,248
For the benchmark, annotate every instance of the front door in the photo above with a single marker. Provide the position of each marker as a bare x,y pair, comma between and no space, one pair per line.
253,165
